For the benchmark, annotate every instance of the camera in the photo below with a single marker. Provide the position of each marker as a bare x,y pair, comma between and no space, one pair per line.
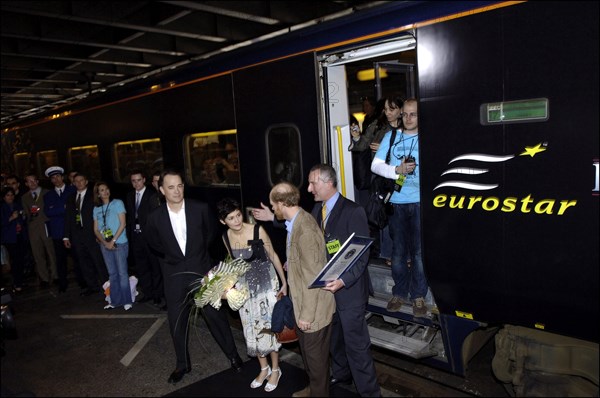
410,159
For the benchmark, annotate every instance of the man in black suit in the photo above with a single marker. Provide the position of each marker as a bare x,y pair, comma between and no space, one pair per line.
350,342
139,203
79,235
180,232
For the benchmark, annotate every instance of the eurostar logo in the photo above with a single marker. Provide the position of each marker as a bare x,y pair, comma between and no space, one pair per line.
492,203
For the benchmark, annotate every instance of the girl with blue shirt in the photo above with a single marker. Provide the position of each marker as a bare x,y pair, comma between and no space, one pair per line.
109,227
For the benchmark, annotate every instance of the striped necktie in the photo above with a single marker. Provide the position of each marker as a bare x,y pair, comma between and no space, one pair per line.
323,216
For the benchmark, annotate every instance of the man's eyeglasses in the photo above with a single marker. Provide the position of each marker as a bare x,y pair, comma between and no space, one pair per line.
409,115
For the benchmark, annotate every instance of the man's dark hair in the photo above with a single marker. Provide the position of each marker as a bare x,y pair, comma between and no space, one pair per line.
137,171
168,172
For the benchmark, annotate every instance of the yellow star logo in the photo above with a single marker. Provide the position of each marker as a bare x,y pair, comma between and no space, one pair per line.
533,150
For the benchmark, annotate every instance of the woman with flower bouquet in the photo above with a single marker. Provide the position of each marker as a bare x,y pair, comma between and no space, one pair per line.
252,244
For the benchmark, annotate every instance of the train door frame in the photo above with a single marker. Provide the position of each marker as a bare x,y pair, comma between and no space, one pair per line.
334,95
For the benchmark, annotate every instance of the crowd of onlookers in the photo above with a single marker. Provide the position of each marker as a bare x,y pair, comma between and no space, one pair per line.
59,228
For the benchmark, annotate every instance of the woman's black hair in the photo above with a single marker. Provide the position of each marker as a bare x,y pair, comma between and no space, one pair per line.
227,206
6,190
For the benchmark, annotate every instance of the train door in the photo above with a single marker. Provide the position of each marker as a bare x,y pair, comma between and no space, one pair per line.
350,75
377,70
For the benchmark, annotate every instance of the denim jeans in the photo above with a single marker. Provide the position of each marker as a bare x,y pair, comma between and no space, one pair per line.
405,230
116,263
386,245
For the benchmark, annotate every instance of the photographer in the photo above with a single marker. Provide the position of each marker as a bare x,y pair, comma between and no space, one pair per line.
405,222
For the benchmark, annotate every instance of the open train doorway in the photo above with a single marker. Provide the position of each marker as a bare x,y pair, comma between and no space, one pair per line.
349,78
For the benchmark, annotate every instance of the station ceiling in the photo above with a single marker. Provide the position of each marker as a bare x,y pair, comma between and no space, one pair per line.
55,53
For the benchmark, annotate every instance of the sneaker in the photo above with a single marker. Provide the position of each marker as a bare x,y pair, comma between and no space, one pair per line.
395,304
419,308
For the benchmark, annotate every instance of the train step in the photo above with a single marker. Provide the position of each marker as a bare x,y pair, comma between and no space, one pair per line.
403,344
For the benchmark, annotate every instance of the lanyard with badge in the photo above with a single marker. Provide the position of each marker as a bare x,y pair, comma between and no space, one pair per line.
332,244
106,231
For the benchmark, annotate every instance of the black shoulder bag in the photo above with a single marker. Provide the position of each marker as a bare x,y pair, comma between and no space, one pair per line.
378,209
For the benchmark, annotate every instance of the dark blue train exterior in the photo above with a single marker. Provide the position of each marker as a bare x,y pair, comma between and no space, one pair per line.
521,257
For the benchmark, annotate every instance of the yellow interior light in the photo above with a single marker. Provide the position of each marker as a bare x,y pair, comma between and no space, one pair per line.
369,74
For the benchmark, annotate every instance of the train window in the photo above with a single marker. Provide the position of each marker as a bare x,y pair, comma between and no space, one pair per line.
45,159
145,155
211,159
522,111
283,144
23,163
85,159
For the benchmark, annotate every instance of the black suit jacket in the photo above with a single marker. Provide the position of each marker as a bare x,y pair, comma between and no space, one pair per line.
72,230
200,234
345,218
148,203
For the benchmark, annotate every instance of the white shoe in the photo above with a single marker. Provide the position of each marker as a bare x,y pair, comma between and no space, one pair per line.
256,383
127,307
270,387
108,307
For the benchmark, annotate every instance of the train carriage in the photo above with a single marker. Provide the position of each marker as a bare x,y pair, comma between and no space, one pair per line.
508,98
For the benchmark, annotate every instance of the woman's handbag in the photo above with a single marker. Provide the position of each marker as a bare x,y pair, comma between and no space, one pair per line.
361,168
378,208
283,314
287,335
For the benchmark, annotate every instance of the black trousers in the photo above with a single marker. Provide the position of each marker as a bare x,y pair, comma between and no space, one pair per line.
147,268
179,306
61,263
90,260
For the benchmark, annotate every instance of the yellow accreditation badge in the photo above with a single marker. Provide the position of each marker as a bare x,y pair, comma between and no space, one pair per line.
333,246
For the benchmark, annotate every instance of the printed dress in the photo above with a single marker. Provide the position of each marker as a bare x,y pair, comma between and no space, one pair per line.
263,285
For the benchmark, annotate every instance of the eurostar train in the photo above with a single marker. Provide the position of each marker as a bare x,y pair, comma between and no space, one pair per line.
508,114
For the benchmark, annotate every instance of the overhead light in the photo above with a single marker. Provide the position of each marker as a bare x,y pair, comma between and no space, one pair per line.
369,74
407,43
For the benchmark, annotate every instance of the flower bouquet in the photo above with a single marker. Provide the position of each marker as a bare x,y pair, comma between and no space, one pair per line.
221,281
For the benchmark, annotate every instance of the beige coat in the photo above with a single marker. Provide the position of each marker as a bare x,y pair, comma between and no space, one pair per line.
306,258
37,223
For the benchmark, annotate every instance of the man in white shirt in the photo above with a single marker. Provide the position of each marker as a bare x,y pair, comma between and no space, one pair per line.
180,233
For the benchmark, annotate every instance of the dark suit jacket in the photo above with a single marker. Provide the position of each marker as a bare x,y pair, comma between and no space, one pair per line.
72,230
200,233
148,203
55,208
345,218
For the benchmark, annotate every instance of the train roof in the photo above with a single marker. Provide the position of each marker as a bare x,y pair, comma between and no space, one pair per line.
63,54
